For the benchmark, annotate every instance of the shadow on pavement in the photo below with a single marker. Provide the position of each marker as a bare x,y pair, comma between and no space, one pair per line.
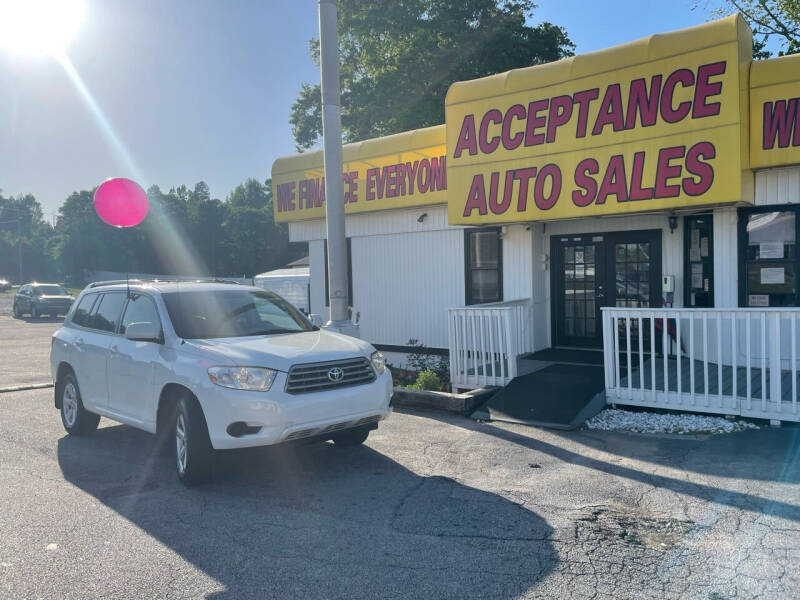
317,521
768,455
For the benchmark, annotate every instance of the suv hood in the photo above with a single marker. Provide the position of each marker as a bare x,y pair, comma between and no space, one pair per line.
281,351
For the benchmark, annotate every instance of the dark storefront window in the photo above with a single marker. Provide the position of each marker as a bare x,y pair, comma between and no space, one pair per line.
698,265
768,257
483,253
632,274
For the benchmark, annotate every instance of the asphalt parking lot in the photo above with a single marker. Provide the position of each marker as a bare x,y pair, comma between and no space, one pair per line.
25,346
433,506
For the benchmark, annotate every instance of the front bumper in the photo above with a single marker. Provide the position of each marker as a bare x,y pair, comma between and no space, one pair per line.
60,308
284,417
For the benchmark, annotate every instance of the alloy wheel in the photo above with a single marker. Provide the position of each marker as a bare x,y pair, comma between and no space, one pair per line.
180,442
69,404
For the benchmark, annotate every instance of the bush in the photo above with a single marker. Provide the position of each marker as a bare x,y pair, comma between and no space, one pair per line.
422,359
428,380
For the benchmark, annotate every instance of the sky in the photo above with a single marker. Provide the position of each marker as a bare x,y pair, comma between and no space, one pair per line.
178,91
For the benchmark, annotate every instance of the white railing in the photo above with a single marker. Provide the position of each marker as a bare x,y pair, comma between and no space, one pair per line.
741,361
485,341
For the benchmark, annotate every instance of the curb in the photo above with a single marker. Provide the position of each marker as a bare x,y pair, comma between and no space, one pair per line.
463,404
25,387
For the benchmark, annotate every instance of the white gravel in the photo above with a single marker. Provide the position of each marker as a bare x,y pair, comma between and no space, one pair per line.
612,419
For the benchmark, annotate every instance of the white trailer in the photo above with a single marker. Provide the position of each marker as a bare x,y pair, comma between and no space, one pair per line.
291,284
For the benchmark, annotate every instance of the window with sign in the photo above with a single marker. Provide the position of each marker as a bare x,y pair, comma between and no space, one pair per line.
484,265
698,264
768,257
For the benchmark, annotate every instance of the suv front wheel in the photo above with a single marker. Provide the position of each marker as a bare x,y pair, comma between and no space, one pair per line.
193,451
75,418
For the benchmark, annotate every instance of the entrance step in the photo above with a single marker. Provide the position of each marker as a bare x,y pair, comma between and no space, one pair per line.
560,396
569,356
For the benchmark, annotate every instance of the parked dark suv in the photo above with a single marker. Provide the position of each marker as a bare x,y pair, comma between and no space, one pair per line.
37,299
5,285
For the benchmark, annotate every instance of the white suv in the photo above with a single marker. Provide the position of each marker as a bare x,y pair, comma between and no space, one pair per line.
210,366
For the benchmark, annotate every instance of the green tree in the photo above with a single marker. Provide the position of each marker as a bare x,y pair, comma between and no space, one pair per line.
206,216
186,232
23,228
253,241
398,59
778,19
83,243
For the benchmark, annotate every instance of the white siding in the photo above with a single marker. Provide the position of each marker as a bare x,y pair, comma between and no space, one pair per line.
540,275
406,273
376,223
778,186
726,270
517,272
403,285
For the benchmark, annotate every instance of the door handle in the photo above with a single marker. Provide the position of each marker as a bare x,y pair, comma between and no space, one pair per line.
79,342
114,349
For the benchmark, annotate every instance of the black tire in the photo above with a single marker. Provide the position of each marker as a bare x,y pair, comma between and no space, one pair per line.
352,437
15,310
34,312
75,418
193,452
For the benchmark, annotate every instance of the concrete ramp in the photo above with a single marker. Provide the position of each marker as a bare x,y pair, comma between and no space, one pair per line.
560,396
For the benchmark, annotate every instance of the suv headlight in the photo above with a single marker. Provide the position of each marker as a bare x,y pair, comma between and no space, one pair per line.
378,362
255,379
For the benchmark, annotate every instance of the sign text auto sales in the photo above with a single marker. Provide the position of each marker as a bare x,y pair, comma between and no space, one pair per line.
667,171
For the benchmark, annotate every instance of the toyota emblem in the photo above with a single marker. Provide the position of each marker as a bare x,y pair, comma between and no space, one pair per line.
335,374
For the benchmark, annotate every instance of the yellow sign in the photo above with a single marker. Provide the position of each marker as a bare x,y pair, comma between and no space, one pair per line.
655,124
397,171
775,112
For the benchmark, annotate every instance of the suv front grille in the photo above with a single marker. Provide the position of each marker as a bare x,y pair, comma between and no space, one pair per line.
314,377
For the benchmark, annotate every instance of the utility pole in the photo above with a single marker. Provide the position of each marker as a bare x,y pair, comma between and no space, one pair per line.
334,187
19,248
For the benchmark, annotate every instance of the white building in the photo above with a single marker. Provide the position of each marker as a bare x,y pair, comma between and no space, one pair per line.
588,203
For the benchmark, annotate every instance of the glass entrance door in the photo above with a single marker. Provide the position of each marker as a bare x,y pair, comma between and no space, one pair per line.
580,285
611,269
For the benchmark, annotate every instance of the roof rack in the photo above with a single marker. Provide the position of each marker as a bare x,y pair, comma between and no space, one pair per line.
95,284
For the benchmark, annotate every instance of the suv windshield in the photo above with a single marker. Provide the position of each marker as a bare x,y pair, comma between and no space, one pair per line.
232,313
49,290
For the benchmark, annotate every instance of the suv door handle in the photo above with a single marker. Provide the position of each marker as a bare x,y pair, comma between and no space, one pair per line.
79,342
114,349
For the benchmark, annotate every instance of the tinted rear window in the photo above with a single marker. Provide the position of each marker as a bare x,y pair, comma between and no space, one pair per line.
106,316
81,314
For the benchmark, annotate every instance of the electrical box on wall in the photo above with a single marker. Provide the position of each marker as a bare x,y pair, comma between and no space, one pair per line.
668,284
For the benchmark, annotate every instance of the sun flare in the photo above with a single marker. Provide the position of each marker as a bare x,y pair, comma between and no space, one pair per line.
39,26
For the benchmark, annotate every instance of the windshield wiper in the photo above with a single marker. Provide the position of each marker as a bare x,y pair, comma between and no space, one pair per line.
271,331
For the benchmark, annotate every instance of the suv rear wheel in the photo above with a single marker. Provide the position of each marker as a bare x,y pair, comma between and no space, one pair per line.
75,418
193,451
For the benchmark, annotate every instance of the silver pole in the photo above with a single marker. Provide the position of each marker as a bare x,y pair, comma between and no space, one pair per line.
334,187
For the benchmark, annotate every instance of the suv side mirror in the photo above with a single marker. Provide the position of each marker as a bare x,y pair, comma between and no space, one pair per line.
315,319
143,332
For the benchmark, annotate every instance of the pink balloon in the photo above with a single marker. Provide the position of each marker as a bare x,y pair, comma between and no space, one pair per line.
121,202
